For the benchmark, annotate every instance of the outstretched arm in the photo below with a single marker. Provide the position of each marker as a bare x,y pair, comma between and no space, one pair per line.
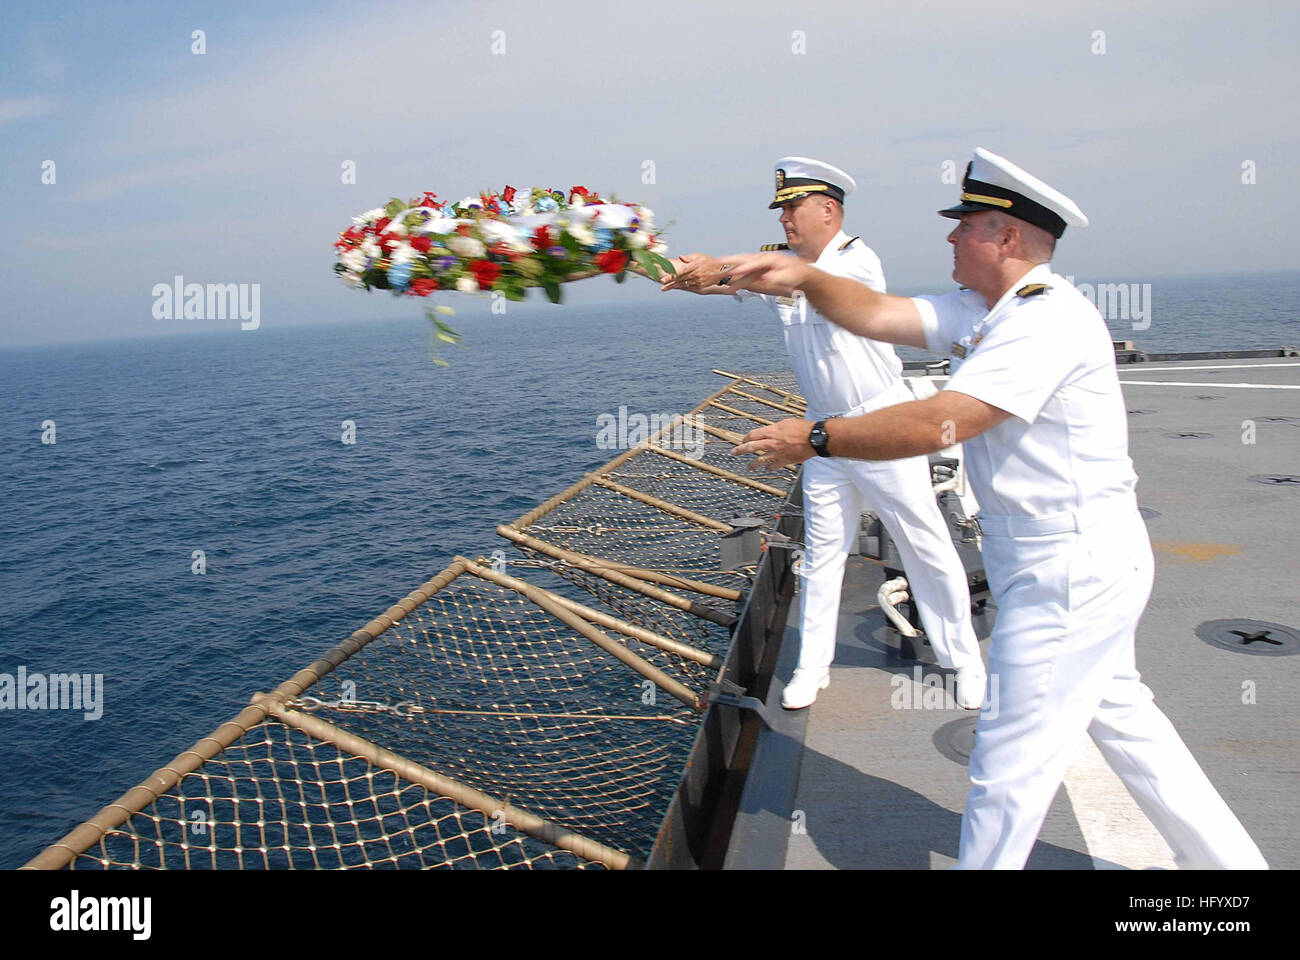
691,268
905,430
844,301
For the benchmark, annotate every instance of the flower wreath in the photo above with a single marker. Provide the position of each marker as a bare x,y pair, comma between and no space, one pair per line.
506,242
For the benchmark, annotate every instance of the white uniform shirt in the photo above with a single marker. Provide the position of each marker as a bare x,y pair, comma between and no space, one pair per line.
1047,360
836,370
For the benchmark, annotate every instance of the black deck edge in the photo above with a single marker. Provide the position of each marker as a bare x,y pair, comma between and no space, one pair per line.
1225,355
1131,356
696,831
760,836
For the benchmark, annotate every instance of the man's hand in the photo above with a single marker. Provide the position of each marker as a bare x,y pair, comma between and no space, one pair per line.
778,444
692,272
779,274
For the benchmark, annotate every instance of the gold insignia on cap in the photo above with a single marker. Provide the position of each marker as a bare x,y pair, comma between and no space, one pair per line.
780,179
1033,289
981,198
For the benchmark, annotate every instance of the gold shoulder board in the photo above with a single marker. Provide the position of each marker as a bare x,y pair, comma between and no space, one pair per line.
772,247
845,244
1032,289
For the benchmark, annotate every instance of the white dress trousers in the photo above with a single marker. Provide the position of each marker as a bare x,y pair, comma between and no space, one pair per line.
899,492
1061,662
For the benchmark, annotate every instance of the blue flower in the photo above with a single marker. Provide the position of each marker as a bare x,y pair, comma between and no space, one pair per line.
399,276
604,238
546,205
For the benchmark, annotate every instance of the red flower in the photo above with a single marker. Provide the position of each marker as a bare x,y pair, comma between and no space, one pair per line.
541,238
463,229
428,200
485,272
422,244
422,287
611,261
382,224
508,194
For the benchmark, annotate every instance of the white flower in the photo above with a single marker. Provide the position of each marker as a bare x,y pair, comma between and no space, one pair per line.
614,215
660,248
397,226
370,216
647,218
370,248
352,280
471,202
638,240
467,247
467,285
354,260
582,233
403,253
438,225
498,231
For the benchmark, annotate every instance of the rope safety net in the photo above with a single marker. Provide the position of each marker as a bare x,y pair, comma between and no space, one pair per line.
530,712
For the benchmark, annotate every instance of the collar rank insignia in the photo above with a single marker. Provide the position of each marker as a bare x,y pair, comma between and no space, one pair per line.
845,244
1032,289
773,247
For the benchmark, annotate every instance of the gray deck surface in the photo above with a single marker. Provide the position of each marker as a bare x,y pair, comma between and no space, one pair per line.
876,792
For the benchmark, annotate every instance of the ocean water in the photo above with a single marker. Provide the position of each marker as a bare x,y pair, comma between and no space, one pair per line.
231,444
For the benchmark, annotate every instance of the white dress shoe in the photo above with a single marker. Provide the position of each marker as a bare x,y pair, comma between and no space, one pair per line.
971,685
803,687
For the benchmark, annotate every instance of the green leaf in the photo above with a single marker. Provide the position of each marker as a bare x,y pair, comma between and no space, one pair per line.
552,290
620,276
664,262
393,208
646,263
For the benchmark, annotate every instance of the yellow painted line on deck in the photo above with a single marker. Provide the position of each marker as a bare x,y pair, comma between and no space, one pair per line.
1195,552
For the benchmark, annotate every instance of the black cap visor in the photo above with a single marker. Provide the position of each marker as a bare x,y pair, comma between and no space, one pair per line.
957,212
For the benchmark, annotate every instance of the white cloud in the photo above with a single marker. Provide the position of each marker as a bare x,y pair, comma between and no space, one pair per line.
11,110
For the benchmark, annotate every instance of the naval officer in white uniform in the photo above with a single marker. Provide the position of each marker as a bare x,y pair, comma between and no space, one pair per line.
842,374
1035,397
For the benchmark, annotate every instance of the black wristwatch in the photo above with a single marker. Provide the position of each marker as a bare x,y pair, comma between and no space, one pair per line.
818,439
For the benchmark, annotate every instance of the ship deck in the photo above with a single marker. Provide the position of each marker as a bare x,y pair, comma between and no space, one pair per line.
873,774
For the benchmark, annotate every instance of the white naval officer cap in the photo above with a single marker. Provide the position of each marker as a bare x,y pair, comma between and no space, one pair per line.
799,176
995,183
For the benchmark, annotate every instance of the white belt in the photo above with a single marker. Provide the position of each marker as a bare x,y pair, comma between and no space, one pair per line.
895,393
1070,521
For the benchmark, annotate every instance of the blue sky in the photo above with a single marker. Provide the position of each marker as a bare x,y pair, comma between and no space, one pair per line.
225,167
